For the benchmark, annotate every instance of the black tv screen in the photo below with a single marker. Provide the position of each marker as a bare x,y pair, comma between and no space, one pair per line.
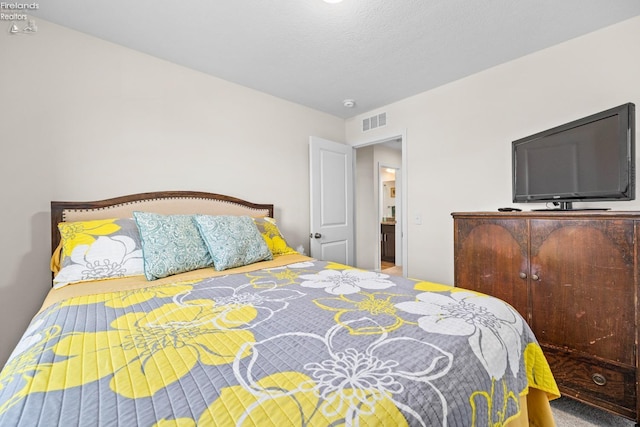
590,159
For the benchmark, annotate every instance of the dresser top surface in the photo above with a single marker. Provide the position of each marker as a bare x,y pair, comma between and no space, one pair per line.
555,214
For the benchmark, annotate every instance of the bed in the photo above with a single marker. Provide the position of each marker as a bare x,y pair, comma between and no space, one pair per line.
145,327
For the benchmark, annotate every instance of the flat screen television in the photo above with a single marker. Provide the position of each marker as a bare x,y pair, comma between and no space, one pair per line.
587,160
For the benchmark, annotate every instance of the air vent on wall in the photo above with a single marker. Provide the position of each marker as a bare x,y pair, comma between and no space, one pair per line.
373,122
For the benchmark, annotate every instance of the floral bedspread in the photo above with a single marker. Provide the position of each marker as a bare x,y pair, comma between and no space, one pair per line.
309,344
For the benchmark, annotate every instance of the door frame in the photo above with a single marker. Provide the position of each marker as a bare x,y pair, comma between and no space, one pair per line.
404,217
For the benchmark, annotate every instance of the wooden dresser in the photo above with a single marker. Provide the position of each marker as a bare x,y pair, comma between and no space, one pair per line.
574,277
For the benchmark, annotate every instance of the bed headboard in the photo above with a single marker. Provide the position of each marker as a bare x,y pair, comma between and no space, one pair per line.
164,202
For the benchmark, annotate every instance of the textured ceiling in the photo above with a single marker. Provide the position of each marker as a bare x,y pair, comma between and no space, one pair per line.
318,54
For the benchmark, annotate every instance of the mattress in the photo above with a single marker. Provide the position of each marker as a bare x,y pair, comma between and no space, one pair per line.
289,341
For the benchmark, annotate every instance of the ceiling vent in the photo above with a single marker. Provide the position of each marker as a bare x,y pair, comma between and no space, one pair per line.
373,122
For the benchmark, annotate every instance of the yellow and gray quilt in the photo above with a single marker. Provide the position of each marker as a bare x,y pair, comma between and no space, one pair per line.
307,344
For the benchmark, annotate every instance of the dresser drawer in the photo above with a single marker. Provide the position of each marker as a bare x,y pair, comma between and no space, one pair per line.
593,381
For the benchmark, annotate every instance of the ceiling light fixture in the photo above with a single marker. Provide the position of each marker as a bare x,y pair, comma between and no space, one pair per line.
348,103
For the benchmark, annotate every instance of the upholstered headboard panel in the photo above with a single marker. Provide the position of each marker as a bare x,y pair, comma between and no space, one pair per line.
166,202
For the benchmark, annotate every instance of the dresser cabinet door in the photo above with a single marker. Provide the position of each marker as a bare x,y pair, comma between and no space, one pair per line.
583,298
491,257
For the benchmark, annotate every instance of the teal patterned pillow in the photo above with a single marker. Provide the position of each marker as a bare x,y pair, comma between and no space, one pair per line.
233,241
171,244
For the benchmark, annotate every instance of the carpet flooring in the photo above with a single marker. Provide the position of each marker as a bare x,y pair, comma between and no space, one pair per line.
570,413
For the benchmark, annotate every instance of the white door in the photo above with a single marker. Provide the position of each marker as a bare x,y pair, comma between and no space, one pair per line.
331,178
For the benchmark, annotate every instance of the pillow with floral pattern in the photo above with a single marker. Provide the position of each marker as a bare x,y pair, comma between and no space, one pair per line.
98,249
273,237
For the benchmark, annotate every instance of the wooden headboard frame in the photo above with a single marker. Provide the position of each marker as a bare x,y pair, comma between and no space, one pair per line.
164,202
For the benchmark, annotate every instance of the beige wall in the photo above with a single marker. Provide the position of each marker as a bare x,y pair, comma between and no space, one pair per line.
459,135
366,207
83,119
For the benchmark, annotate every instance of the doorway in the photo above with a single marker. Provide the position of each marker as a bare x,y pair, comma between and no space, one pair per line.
389,217
373,211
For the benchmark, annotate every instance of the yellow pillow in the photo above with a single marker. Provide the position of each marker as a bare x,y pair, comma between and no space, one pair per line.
272,236
55,259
